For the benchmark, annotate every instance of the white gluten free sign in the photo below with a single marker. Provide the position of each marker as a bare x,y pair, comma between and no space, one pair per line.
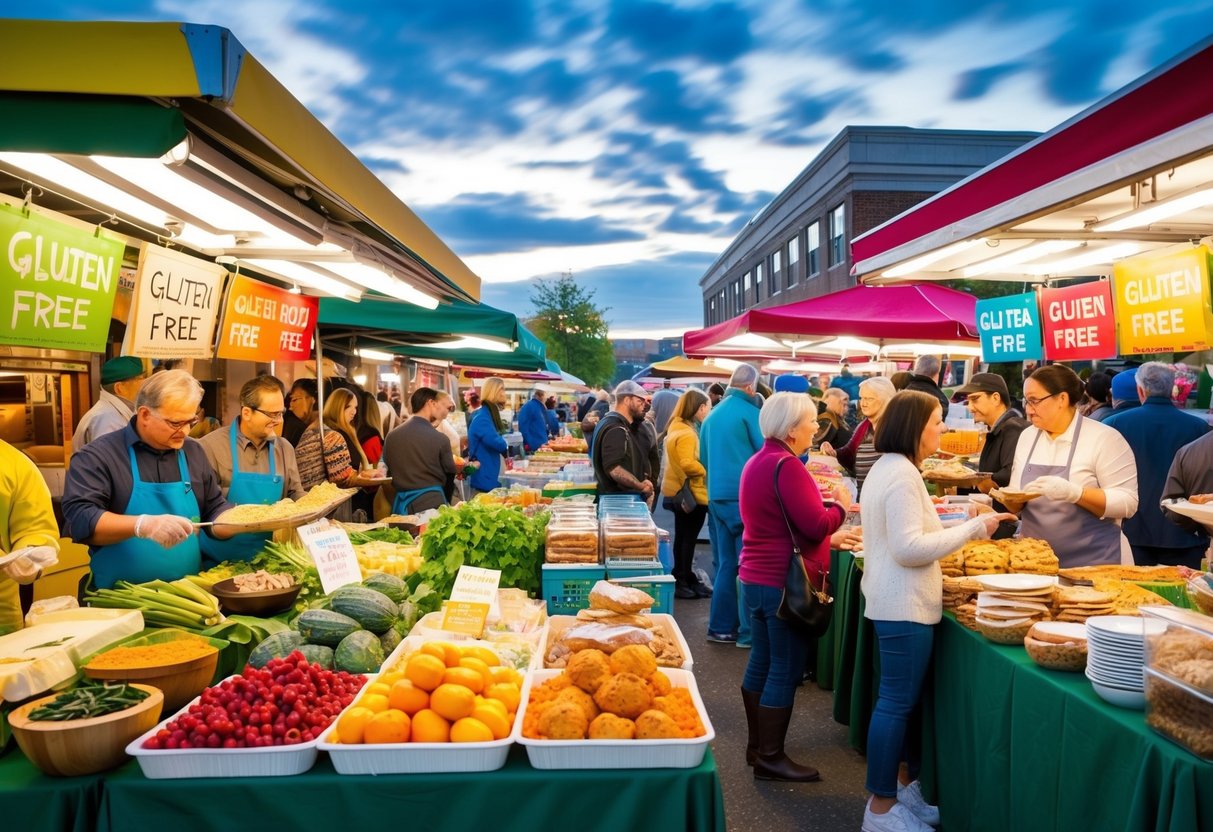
330,547
176,302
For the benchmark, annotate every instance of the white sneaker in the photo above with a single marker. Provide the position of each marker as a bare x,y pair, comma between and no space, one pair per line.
897,819
911,796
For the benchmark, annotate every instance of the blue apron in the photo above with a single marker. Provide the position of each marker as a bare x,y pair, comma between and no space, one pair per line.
1077,536
138,560
404,499
247,488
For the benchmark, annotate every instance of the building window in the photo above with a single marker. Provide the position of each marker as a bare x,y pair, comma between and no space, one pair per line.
757,286
738,300
777,269
759,272
838,235
793,260
813,250
747,287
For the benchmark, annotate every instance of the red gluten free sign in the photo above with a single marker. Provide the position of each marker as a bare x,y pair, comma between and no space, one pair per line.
1078,322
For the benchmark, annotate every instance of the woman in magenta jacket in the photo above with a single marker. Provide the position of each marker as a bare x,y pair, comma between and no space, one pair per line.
788,422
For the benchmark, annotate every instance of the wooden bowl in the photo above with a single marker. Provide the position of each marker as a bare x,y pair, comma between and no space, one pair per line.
83,746
1070,657
261,604
1002,634
179,682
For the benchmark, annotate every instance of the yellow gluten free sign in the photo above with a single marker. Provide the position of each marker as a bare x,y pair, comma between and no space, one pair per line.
1162,303
465,617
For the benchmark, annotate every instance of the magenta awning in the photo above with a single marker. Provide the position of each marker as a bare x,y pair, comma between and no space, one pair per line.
883,314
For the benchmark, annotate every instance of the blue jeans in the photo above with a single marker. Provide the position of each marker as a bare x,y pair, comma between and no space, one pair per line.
728,614
777,654
905,654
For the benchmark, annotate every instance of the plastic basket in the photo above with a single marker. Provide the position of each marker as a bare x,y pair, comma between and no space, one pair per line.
567,588
661,587
629,568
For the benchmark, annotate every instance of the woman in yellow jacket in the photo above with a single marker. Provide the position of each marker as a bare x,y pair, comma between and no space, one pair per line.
27,525
682,467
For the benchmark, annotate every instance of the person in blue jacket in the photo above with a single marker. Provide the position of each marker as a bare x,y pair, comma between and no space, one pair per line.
553,418
728,438
485,442
533,422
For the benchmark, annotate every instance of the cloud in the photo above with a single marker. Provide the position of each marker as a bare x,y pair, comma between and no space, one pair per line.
679,222
803,111
976,83
488,223
664,99
718,33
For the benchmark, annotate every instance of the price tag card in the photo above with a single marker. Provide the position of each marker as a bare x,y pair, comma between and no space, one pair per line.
465,617
477,585
330,548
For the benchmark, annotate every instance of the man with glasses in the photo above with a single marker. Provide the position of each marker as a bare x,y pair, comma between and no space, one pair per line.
618,454
134,495
252,463
989,402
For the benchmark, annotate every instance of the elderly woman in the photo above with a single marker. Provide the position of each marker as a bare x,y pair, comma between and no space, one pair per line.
860,453
781,508
902,585
1084,471
485,431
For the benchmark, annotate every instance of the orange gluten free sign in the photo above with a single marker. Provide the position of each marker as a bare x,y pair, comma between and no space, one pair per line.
265,323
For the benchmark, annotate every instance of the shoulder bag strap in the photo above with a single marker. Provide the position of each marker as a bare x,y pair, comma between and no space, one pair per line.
788,523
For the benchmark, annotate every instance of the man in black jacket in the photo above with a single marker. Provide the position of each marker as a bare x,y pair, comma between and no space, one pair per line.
925,379
988,400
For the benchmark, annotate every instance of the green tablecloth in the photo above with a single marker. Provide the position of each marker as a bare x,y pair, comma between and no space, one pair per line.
517,797
1021,747
854,658
32,802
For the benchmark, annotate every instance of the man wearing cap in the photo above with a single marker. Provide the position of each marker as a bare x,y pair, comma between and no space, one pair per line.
253,464
989,402
1124,391
121,379
618,453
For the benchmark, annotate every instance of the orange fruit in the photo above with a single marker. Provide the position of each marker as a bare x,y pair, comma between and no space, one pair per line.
374,702
452,701
390,678
378,687
389,726
430,727
477,651
407,697
473,663
505,692
507,674
464,676
497,722
449,653
471,730
495,704
425,671
352,723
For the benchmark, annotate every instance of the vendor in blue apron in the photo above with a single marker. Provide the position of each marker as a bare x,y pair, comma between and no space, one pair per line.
134,495
418,456
253,463
1083,471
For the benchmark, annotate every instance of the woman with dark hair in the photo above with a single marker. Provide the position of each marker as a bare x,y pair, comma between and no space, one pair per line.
1084,471
902,586
1099,397
368,426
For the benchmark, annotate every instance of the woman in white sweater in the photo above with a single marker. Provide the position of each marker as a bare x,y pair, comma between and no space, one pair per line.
903,588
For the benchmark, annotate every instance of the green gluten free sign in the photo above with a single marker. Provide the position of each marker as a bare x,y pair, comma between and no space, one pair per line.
57,283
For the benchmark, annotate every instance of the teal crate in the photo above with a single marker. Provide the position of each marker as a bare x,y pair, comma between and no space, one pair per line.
661,587
566,588
628,568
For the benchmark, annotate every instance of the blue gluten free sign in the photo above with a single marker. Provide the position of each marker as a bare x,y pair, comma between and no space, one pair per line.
1010,328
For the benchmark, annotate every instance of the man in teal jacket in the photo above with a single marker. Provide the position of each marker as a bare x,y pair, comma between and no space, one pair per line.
727,440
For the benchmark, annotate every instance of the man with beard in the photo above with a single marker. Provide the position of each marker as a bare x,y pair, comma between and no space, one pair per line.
620,461
418,456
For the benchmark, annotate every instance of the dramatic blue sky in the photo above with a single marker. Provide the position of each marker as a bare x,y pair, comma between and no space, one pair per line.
629,140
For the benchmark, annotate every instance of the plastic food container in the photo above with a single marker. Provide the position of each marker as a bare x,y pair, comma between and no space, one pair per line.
572,539
633,754
1180,712
1179,688
662,623
171,764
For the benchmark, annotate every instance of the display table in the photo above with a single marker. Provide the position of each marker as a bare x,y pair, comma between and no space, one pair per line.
517,797
1022,747
855,660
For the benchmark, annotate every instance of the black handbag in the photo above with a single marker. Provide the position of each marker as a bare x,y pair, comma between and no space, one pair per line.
685,498
805,609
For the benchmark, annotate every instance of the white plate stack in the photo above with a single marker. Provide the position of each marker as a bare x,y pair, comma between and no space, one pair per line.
1116,656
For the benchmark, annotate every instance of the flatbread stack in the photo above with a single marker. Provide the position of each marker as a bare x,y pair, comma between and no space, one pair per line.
983,557
1030,556
958,591
1005,616
1078,603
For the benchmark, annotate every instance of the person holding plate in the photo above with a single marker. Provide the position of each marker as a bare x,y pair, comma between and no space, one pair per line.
1082,471
253,464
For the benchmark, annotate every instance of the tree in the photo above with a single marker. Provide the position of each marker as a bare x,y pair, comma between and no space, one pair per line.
573,328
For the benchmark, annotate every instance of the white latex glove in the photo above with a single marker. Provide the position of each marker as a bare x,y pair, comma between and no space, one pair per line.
27,568
166,529
1055,488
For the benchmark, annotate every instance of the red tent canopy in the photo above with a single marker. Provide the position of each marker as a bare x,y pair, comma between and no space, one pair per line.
885,314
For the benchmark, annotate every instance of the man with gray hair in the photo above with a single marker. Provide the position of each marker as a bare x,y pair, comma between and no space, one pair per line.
728,438
134,495
1156,431
926,379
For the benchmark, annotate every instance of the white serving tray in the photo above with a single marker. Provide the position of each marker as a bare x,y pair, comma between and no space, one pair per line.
422,757
590,754
560,623
171,764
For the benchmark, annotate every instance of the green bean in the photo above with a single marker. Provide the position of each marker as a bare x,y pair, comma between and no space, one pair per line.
89,701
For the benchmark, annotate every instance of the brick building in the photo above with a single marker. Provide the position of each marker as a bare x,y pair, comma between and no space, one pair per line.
798,246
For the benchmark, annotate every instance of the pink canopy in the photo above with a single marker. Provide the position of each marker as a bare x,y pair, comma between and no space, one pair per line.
887,315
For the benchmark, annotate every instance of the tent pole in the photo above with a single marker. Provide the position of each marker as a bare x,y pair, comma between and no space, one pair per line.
320,383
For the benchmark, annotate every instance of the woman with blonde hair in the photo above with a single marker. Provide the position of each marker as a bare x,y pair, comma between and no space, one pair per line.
339,458
486,444
860,453
682,467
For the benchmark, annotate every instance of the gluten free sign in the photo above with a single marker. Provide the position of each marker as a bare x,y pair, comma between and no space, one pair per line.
1078,322
177,299
265,323
1162,303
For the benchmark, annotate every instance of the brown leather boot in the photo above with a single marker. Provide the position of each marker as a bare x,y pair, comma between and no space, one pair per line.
750,699
772,763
